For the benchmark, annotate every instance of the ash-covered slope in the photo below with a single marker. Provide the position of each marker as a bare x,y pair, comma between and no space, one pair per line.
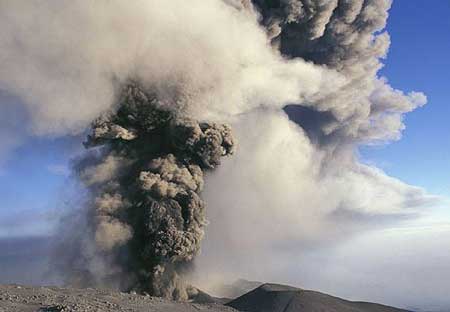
266,298
281,298
52,299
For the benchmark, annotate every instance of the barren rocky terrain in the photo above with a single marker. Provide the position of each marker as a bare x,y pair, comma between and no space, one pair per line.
265,298
14,298
281,298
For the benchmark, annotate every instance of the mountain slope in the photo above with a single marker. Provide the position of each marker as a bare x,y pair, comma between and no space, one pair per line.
280,298
15,298
266,298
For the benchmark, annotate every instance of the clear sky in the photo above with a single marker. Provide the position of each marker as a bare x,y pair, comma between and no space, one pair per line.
31,182
418,60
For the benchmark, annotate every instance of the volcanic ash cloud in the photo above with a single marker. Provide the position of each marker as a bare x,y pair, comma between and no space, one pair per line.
297,81
147,216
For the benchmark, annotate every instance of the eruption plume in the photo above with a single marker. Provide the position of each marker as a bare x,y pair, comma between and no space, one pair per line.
147,213
296,80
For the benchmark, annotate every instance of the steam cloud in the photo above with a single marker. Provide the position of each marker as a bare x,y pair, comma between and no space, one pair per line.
296,80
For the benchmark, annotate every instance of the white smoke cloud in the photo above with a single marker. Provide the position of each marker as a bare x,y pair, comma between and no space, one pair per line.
280,190
61,58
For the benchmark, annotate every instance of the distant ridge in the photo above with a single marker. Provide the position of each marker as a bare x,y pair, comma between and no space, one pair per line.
237,288
282,298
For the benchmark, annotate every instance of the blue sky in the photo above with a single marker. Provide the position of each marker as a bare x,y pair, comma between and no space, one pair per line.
31,183
418,60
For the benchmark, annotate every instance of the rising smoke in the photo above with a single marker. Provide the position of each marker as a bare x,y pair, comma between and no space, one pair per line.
296,80
146,214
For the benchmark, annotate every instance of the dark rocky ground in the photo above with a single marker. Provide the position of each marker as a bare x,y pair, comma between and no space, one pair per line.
281,298
14,298
265,298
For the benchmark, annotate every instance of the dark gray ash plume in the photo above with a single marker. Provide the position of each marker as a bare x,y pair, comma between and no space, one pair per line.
347,36
147,214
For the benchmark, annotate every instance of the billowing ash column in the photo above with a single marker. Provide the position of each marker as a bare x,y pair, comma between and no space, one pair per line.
145,184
